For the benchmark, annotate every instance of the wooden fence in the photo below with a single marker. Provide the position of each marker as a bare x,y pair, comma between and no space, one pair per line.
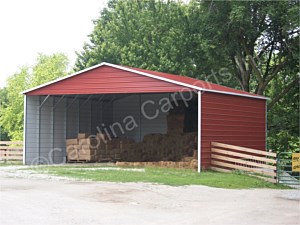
11,151
258,163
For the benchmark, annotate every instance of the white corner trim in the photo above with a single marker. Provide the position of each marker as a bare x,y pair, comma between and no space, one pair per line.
199,130
24,129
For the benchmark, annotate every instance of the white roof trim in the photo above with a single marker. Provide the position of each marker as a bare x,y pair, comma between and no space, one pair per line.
144,74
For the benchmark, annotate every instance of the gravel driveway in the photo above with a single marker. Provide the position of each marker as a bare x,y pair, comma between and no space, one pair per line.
41,201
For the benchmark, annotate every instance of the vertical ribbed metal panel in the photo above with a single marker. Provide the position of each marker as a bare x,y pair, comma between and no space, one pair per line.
95,116
232,120
107,114
59,142
31,137
85,116
159,123
45,129
72,118
130,106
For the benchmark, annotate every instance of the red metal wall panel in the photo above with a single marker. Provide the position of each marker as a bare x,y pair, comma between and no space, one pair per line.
232,120
106,80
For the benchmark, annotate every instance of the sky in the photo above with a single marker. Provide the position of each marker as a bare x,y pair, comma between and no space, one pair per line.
48,26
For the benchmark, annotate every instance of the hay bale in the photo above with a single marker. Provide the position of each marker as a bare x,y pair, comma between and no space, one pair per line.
82,135
72,152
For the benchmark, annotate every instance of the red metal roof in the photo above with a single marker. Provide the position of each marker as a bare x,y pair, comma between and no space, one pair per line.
108,78
195,82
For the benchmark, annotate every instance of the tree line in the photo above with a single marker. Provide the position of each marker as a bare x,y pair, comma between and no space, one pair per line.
248,45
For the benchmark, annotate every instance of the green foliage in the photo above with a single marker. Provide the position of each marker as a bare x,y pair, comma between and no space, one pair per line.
3,103
154,35
45,69
283,119
256,38
11,116
283,141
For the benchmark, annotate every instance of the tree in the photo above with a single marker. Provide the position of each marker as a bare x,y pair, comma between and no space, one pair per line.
259,39
45,69
11,116
145,34
3,103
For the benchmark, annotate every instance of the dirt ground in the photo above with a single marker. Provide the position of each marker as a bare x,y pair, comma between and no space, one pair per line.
40,201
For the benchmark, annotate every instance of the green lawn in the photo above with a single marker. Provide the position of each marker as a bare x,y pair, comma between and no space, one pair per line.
167,176
11,163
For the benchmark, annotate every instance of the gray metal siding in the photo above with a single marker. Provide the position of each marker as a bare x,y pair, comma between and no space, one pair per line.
31,128
85,116
159,123
45,134
128,106
72,119
131,106
59,142
96,116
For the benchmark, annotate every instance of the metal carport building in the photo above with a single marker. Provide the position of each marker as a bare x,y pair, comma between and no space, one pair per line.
107,93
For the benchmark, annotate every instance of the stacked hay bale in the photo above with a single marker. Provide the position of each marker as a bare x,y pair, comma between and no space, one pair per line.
82,148
174,149
175,123
160,147
72,149
112,149
87,149
99,147
164,164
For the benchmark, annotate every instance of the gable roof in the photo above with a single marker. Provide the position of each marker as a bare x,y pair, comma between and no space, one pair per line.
175,80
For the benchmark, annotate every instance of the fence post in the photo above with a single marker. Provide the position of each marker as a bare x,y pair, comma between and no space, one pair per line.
277,168
5,155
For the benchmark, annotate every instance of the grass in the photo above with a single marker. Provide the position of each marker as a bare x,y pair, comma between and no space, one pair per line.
167,176
11,163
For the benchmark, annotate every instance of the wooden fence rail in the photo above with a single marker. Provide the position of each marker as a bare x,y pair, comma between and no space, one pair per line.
11,151
225,158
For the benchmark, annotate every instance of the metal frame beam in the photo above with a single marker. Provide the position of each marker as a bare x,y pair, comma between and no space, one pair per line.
100,99
86,100
59,100
41,104
74,99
